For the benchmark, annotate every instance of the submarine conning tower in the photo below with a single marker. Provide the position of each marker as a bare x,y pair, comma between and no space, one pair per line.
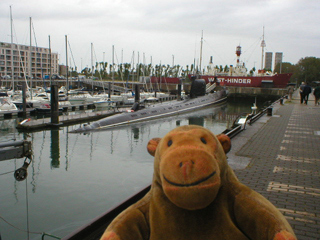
198,87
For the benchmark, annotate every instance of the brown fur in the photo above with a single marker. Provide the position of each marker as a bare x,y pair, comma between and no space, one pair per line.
196,195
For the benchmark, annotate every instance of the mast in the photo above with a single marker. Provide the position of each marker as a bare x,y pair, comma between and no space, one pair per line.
50,62
132,66
12,76
67,63
121,56
138,68
30,60
263,45
112,69
201,50
92,67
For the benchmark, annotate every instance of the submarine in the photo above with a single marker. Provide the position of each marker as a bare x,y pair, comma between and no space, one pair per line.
201,95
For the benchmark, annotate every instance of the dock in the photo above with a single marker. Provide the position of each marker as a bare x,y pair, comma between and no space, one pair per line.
65,120
279,157
33,111
15,113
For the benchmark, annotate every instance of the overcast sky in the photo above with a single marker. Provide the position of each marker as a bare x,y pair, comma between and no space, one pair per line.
166,31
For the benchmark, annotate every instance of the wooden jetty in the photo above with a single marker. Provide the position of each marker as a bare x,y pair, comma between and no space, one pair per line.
33,111
64,120
15,113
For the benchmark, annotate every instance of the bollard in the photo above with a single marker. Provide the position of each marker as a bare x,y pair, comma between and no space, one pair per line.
281,101
269,111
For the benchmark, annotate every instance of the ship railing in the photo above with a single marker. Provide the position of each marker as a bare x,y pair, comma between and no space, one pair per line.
210,87
239,125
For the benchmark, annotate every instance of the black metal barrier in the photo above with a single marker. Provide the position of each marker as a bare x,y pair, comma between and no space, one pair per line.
240,122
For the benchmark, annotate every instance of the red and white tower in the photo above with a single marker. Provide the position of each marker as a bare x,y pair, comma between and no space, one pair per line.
238,53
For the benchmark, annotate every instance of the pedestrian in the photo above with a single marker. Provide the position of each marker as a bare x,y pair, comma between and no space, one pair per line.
301,92
306,91
290,92
316,94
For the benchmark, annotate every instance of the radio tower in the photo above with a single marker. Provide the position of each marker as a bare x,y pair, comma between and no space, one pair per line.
263,45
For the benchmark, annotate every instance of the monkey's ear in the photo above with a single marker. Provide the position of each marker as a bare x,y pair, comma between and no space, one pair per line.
225,142
152,145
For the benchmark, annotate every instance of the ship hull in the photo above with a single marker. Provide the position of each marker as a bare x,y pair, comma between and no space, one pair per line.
275,81
157,111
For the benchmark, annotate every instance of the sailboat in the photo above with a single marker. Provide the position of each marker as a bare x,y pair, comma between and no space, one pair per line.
31,100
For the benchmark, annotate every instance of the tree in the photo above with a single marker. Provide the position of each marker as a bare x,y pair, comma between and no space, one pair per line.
85,71
307,70
126,71
286,67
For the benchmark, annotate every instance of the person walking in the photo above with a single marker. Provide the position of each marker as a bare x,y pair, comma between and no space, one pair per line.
290,92
306,91
316,93
301,92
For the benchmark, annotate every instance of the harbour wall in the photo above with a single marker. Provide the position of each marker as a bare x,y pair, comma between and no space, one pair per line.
252,92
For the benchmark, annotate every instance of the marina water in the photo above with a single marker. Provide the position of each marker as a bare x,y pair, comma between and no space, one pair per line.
74,178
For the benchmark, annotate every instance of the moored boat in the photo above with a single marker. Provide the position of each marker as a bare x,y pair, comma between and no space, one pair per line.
198,99
237,76
275,80
234,76
104,103
6,104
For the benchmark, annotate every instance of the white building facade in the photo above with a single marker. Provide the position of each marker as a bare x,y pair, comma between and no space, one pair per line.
15,61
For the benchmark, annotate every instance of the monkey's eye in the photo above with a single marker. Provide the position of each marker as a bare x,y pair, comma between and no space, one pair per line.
169,143
203,140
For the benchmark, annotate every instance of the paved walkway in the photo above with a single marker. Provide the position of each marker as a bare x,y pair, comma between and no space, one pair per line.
282,158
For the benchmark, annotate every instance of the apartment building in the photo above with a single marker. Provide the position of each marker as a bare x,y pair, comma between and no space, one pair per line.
15,60
268,60
278,59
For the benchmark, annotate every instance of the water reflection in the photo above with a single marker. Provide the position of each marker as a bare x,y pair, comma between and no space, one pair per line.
135,132
55,148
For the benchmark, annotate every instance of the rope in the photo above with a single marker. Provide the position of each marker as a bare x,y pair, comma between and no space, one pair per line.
43,234
49,235
18,228
6,173
27,206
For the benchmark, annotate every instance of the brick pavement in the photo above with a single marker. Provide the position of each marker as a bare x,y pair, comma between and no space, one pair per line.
284,162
